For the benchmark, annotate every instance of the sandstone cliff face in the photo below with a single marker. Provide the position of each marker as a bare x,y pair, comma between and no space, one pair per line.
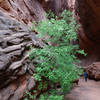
29,10
15,39
89,17
86,12
15,67
23,10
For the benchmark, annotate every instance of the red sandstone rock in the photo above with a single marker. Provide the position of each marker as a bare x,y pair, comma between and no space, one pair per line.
93,71
86,13
16,70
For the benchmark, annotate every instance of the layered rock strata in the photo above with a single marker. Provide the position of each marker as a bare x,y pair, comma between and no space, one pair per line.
15,67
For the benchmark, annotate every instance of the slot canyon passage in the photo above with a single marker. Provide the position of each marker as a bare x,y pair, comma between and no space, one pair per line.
16,17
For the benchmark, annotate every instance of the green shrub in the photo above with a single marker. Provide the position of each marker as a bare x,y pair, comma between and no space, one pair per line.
55,62
51,97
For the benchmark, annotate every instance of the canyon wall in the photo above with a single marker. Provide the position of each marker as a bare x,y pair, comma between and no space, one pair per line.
15,38
89,17
86,13
16,69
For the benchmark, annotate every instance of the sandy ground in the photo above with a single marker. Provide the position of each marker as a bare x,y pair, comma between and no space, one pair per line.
89,90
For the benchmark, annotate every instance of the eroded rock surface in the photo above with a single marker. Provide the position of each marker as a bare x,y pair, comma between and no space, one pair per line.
93,71
15,67
23,10
86,11
15,39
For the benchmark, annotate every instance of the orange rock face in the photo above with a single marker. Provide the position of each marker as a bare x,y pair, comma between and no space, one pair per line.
23,10
89,17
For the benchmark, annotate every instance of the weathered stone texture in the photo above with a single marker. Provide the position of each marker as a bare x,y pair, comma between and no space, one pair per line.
93,71
23,10
15,67
16,38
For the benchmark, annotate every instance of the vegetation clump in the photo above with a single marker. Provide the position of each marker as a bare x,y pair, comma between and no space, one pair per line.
56,60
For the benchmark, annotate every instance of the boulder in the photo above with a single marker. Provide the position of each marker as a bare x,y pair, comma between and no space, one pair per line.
93,71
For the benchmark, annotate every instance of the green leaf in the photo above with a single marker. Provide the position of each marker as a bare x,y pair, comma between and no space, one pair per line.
55,61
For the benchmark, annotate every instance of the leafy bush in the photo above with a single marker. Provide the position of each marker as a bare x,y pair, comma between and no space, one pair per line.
55,62
51,97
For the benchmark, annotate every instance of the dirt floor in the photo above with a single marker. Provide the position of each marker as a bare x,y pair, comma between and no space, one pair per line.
89,90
